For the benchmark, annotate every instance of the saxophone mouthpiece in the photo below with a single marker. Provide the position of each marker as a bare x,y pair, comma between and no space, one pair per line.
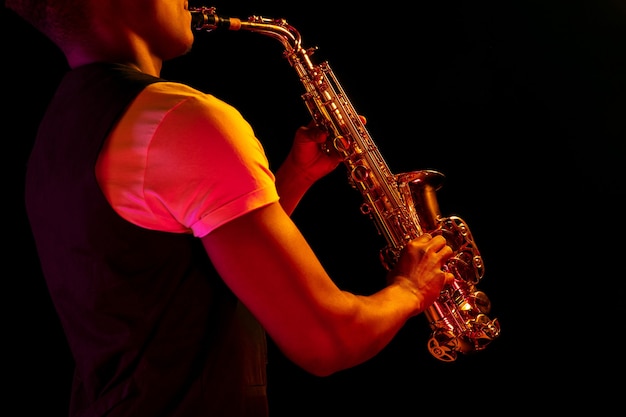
204,18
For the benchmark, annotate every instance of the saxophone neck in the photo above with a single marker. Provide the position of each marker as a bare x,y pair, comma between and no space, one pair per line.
206,19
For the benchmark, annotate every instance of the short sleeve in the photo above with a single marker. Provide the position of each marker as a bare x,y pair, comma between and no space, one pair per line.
183,161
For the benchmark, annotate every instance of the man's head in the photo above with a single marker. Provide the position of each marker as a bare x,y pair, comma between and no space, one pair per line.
112,30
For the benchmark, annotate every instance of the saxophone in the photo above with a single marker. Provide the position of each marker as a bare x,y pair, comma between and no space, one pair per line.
402,206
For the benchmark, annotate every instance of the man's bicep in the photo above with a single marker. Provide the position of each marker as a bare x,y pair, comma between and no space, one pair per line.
267,263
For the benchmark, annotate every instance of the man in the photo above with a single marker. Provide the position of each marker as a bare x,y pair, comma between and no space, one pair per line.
165,238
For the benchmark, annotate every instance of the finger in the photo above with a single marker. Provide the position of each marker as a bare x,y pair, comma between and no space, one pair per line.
439,239
429,243
311,133
425,237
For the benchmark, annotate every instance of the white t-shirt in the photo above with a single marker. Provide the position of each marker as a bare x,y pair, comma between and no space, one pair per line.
183,161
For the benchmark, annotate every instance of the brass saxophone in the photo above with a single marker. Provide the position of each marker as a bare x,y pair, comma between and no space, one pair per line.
402,206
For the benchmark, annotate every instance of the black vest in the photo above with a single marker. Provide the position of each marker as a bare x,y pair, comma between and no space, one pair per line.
152,328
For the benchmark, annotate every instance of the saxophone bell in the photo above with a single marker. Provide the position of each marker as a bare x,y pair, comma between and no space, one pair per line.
458,317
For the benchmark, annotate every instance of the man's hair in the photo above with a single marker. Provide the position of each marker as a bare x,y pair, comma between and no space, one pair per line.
60,20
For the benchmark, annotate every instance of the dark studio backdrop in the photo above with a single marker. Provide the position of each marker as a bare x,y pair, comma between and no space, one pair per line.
520,104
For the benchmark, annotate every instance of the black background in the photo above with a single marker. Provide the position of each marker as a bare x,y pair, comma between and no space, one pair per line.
520,104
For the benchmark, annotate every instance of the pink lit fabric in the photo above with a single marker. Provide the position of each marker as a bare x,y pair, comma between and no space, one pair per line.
183,161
